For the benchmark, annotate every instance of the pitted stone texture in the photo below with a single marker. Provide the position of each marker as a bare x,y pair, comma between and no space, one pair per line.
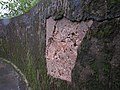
62,40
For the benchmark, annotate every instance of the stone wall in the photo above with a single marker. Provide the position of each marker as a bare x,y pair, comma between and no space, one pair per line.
23,42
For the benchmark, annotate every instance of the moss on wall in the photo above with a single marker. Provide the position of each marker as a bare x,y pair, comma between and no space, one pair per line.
22,41
98,54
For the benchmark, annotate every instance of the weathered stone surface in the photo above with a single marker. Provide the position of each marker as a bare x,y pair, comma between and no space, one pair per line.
22,41
62,40
98,61
77,10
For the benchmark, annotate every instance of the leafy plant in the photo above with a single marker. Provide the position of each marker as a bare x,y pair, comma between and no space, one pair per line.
11,8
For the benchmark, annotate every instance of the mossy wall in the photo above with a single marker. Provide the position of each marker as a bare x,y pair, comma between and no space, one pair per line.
22,41
99,59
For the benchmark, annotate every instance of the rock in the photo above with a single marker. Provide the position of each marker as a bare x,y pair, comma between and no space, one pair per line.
100,52
62,40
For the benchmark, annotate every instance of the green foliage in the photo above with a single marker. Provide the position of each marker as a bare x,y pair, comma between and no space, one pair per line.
13,8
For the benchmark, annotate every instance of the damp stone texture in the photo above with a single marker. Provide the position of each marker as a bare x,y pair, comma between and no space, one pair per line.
62,40
10,78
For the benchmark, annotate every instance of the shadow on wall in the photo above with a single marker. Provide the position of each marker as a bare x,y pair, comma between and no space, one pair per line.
11,77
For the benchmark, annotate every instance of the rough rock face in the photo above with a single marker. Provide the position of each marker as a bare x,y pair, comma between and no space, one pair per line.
98,59
62,40
22,42
77,10
97,67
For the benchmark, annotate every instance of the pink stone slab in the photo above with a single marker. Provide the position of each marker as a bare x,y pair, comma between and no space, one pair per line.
62,40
